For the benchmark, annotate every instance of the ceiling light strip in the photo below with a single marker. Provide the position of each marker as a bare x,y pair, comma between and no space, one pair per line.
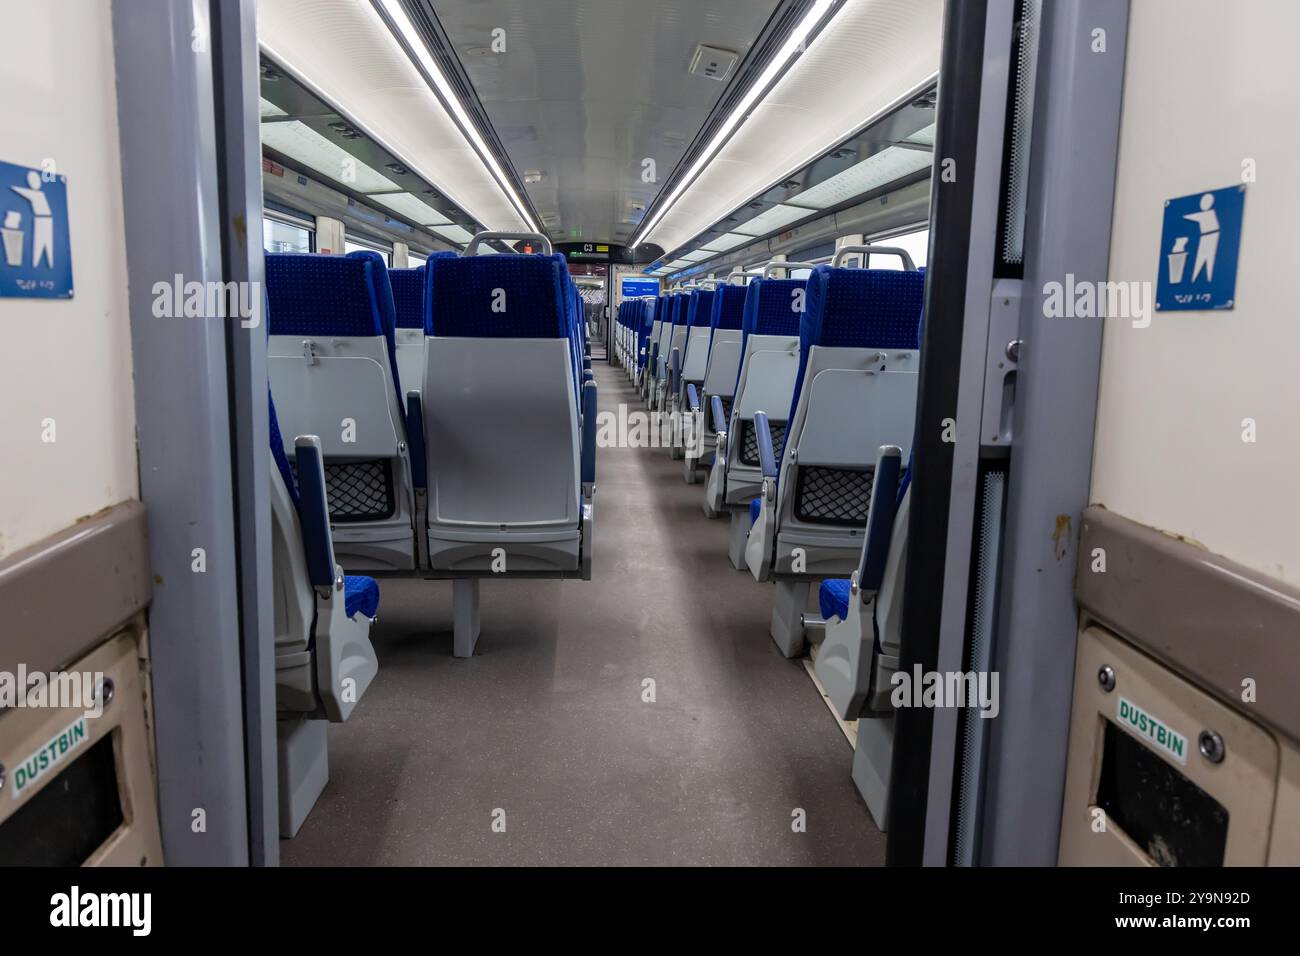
795,44
409,38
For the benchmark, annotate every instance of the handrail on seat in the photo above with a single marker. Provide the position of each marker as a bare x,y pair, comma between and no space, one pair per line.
908,264
483,237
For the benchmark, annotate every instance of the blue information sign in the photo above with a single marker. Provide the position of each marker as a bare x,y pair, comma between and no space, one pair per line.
1198,250
634,287
37,248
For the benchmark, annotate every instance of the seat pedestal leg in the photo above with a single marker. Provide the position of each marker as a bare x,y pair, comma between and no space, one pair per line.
739,534
465,626
871,766
787,616
303,769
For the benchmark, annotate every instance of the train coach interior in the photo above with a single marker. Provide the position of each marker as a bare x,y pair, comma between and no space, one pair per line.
649,433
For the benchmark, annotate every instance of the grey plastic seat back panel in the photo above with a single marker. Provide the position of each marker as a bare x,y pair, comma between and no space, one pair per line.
767,376
344,391
723,363
824,436
410,358
502,434
695,360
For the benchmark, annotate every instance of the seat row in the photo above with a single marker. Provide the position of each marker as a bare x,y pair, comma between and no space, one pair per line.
453,403
799,396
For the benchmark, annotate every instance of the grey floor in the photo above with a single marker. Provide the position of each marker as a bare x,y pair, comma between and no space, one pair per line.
545,727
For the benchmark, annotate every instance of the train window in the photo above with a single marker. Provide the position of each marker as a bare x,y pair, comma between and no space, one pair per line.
916,243
414,262
280,236
350,245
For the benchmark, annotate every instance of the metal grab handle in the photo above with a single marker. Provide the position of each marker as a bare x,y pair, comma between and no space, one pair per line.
785,264
908,264
483,237
740,274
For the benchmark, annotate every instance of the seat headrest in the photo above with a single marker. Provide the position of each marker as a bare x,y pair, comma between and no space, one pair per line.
408,296
310,294
501,296
771,307
862,308
728,307
701,308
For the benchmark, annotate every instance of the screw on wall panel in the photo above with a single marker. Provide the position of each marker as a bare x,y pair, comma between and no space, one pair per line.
1106,678
106,691
1211,746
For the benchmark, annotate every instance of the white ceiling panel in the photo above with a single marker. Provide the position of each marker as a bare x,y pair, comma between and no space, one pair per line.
873,53
344,50
587,90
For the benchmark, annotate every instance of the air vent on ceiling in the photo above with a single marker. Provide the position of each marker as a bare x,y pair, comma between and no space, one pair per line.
713,62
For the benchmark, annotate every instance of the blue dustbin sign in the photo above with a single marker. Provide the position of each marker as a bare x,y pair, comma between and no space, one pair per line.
36,255
1199,244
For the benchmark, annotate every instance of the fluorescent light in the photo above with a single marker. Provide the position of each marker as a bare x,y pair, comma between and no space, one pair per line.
796,42
414,209
772,220
924,137
415,42
299,141
699,255
880,169
728,240
679,263
453,234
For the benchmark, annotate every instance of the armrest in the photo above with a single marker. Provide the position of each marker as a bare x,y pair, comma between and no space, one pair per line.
589,433
675,370
692,397
586,362
314,512
880,519
766,457
719,419
654,360
415,439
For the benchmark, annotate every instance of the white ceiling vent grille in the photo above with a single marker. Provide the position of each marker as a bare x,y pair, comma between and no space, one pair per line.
713,63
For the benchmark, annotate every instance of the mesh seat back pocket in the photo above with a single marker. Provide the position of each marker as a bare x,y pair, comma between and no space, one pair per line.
834,496
359,490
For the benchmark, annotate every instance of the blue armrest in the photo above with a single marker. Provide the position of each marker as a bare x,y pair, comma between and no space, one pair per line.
880,518
588,433
766,457
314,511
692,397
415,439
719,419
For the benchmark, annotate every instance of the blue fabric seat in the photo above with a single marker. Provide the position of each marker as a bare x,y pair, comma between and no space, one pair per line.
768,310
360,595
858,308
408,297
355,286
536,305
833,597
